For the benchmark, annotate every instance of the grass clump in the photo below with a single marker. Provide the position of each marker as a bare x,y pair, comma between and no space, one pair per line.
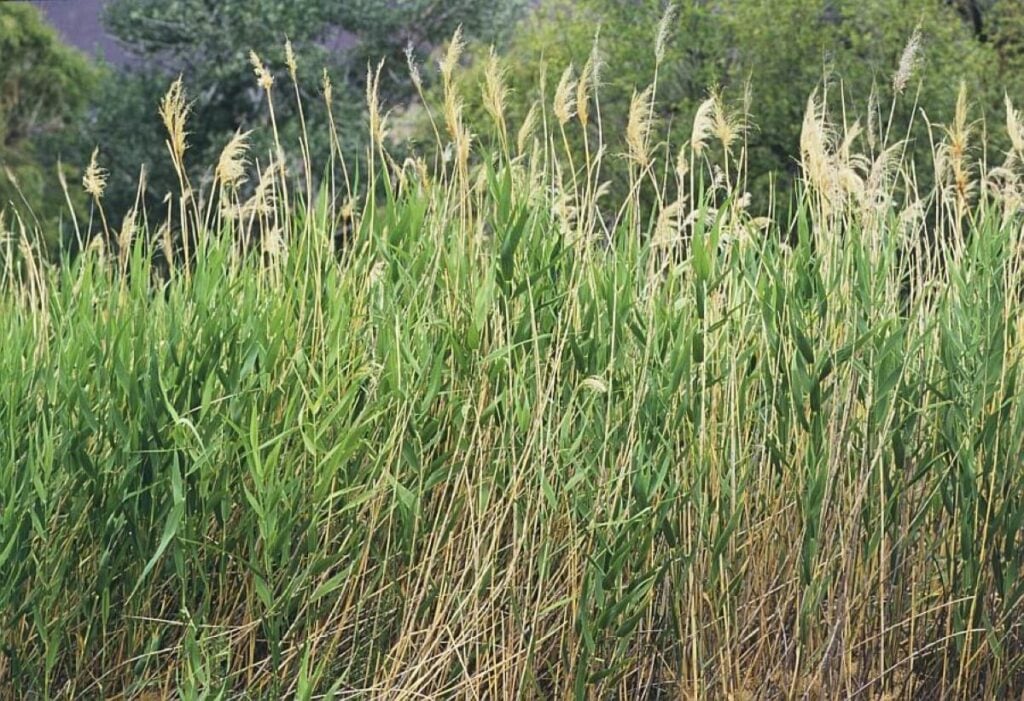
489,434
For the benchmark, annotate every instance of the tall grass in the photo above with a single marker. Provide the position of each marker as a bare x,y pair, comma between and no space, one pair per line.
502,437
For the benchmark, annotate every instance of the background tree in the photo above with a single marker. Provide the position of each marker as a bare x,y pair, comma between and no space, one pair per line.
1003,26
44,86
208,43
783,50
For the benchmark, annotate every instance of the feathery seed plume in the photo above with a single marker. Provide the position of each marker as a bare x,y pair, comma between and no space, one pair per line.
414,69
461,137
174,112
348,209
163,235
664,27
526,129
263,76
125,237
667,228
564,107
230,171
451,58
815,158
328,88
908,62
495,91
726,127
846,146
274,244
95,179
97,246
377,120
638,129
959,135
289,59
682,164
872,116
587,83
1014,127
703,122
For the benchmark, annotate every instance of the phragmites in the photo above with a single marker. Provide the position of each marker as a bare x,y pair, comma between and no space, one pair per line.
273,244
848,166
414,69
95,178
348,209
587,82
289,60
815,158
960,140
495,91
378,121
638,129
174,112
564,107
872,116
813,138
713,119
883,170
908,62
125,238
1014,127
954,174
163,235
682,164
230,171
669,223
951,161
263,76
461,138
451,57
841,177
526,128
664,27
726,127
264,198
95,182
327,86
703,123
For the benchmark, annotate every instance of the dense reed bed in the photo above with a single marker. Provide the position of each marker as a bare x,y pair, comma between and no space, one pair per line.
490,434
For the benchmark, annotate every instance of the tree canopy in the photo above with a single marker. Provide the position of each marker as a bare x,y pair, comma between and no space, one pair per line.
209,43
44,86
766,58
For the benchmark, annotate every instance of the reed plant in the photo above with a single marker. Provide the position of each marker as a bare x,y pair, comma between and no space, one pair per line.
462,427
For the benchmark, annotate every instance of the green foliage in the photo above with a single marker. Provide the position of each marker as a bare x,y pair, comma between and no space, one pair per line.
782,50
1004,28
211,457
386,29
527,454
209,44
44,86
518,437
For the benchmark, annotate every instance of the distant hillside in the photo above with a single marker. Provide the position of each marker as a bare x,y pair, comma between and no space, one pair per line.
79,23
